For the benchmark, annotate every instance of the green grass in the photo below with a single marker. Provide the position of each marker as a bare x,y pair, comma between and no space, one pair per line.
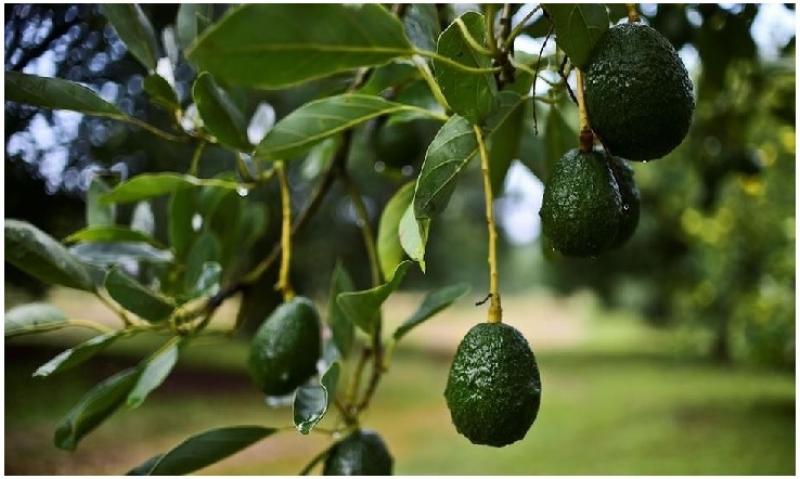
620,402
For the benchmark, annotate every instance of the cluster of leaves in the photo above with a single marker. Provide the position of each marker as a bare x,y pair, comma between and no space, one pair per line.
404,69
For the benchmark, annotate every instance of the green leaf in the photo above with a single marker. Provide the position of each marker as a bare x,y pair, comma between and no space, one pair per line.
57,94
136,298
111,234
413,235
312,402
192,19
387,76
161,92
342,327
77,355
469,95
421,23
433,303
220,115
205,449
390,251
320,119
98,213
578,26
105,254
208,282
142,219
154,372
182,206
363,307
134,28
558,138
144,468
206,248
505,138
149,185
452,148
33,318
93,408
303,42
38,254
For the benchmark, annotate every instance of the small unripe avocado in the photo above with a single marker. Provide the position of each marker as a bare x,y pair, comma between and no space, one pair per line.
638,93
286,347
494,389
362,453
629,196
581,207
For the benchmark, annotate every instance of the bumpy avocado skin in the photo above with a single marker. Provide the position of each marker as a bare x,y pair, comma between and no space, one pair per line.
581,208
494,389
362,453
638,93
286,347
629,194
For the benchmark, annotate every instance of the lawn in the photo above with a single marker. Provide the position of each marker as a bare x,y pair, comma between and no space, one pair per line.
616,400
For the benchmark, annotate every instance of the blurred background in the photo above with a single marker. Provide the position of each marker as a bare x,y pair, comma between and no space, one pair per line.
672,355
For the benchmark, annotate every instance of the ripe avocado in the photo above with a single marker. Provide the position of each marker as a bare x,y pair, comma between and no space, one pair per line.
638,93
362,453
629,194
582,207
494,389
285,349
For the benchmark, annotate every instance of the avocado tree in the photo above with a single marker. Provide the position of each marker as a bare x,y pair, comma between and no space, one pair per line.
410,63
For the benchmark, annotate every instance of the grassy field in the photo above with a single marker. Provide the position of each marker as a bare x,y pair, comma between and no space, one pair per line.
617,399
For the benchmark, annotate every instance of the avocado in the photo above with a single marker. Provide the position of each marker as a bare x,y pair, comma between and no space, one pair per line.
362,453
285,349
630,199
582,206
638,93
494,388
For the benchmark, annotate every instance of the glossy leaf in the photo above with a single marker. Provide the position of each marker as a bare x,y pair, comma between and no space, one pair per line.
97,212
205,449
207,283
387,76
137,298
105,254
578,26
342,327
413,235
221,117
470,95
144,468
154,372
321,119
33,318
448,153
421,23
38,254
161,92
300,43
433,303
57,94
110,234
363,307
390,251
206,248
77,355
312,402
191,20
150,185
134,28
94,408
143,219
179,228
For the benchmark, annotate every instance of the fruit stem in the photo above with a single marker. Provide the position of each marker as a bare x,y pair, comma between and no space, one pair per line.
283,285
586,136
363,224
198,152
633,15
495,309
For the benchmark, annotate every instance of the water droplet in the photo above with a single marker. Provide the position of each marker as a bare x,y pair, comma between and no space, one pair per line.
242,191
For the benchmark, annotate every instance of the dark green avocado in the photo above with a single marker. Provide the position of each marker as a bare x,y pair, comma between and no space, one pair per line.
362,453
286,347
630,200
582,207
494,389
638,93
